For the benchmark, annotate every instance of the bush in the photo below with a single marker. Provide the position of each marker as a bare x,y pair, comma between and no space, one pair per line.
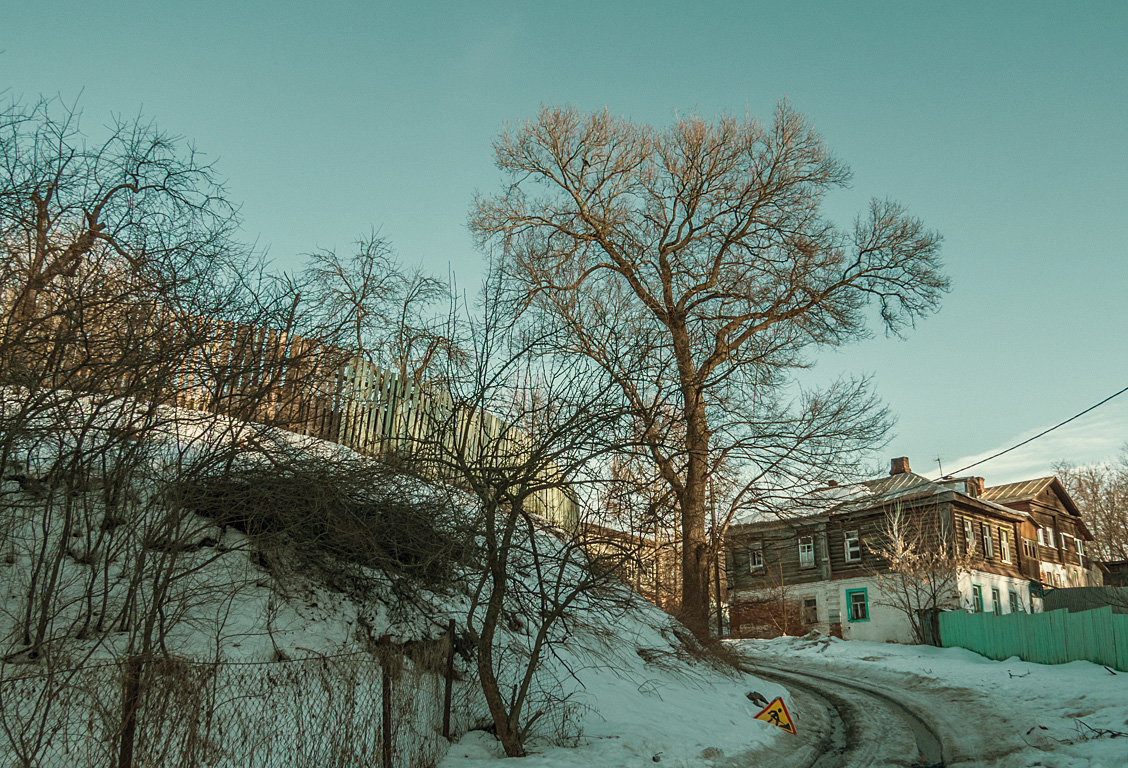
355,522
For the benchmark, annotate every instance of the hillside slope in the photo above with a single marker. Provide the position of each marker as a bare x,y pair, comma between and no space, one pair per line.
254,637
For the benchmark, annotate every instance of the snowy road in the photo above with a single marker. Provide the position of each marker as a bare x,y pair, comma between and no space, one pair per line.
867,704
863,726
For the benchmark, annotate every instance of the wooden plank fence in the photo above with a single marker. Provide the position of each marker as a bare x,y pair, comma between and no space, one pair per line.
261,375
1054,637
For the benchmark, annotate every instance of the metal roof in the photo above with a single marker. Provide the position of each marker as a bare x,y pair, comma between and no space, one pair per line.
1022,490
869,494
1027,490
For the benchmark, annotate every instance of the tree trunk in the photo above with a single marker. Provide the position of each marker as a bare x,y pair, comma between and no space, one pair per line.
494,701
695,546
497,559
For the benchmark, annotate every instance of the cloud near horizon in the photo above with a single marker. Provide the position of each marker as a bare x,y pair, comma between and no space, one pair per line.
1091,439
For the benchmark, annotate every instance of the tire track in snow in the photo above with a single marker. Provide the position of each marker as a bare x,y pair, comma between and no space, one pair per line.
868,727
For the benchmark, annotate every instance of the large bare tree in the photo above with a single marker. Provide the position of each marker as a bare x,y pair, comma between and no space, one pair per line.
695,265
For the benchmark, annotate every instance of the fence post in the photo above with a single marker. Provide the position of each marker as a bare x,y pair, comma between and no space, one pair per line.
449,680
130,699
386,702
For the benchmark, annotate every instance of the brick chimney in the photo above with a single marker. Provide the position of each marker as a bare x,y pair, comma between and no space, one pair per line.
899,465
975,486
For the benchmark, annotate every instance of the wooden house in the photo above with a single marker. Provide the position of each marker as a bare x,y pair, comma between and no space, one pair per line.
821,568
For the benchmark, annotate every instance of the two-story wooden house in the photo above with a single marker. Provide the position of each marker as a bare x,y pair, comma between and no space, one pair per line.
821,569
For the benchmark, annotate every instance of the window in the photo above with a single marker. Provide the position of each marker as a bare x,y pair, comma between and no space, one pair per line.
756,557
858,605
806,552
853,547
810,610
1080,550
1004,545
977,598
1029,549
1051,537
1042,536
1012,597
988,543
969,534
996,602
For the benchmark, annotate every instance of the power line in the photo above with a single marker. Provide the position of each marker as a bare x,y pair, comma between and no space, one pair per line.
1042,433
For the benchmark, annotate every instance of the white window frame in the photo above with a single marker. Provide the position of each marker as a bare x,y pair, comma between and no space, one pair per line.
806,551
1004,545
852,547
852,604
1041,536
1052,538
988,542
969,534
1080,550
755,558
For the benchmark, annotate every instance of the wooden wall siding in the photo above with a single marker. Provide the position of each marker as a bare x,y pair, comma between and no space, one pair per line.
781,547
995,563
274,378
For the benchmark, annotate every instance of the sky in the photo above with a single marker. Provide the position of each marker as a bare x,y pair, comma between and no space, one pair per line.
1003,126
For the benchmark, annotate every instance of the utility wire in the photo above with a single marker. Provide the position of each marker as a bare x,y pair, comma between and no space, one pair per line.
1041,434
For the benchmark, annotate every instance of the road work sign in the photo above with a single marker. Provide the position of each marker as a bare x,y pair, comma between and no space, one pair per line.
776,713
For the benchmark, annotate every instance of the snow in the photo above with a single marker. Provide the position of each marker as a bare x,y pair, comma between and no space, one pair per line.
635,693
1033,714
633,711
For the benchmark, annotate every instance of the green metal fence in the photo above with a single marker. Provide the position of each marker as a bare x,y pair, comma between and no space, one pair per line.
1056,637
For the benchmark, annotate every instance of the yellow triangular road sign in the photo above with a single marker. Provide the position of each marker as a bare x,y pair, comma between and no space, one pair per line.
776,713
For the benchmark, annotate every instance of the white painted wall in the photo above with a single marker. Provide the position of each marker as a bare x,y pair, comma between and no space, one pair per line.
887,624
1003,584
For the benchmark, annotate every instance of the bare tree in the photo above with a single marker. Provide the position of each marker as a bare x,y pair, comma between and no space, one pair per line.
1101,491
122,293
391,315
772,610
526,432
919,567
636,499
694,265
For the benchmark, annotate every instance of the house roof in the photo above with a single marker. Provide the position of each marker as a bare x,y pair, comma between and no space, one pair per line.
870,494
1028,490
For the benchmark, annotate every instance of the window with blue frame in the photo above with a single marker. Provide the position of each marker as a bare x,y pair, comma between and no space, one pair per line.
977,598
857,605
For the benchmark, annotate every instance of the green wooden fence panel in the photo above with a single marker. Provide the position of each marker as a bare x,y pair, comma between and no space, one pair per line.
1055,637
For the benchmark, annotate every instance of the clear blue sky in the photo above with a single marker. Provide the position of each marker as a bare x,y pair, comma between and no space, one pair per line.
1002,125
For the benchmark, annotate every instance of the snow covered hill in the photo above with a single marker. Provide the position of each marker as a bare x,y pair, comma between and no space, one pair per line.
111,557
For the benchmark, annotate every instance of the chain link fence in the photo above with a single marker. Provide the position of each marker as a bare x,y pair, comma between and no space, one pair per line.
385,709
